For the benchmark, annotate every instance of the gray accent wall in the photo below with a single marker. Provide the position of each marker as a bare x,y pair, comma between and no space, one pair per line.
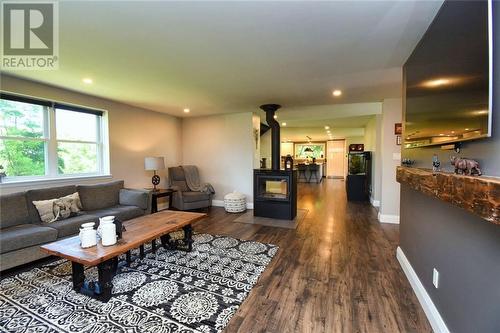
464,248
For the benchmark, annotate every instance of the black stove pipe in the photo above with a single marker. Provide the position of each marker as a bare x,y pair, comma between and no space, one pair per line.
270,110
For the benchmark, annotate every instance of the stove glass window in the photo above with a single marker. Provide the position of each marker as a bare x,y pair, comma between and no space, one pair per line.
274,189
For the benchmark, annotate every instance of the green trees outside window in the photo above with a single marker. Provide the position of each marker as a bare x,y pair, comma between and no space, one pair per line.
29,149
22,148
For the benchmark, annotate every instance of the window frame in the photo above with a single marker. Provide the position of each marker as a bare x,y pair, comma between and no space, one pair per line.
51,142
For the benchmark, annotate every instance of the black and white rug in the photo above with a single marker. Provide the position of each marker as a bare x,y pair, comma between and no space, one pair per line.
170,291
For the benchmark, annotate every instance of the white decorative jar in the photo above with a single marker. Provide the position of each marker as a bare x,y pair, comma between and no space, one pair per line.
88,235
107,230
235,202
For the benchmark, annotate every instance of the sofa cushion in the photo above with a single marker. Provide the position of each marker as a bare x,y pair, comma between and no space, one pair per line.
13,210
195,196
45,194
25,235
129,197
100,196
71,225
122,213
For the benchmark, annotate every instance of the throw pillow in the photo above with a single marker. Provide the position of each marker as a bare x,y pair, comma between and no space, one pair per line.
45,209
58,209
67,206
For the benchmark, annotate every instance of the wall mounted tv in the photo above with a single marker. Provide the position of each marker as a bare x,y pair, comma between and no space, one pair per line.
448,77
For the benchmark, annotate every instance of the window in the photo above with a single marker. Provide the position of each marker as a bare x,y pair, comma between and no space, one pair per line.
42,139
77,142
24,137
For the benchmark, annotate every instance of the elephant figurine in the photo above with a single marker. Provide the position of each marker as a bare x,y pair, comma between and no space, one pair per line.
464,166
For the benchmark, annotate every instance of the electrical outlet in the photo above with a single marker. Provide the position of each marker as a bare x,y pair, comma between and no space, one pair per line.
435,278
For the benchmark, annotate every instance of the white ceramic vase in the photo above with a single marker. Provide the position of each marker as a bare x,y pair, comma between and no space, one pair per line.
88,235
107,230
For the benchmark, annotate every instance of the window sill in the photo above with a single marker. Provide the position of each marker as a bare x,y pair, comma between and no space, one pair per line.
52,181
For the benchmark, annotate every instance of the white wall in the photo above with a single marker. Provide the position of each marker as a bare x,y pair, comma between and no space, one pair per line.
265,147
222,146
286,148
354,140
256,140
373,142
134,133
391,158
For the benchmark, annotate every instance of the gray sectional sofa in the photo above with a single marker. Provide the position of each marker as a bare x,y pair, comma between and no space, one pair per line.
22,232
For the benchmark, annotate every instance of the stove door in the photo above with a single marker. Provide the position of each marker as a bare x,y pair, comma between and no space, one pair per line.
273,188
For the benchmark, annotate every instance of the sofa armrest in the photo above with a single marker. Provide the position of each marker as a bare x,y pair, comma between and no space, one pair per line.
136,197
177,200
177,190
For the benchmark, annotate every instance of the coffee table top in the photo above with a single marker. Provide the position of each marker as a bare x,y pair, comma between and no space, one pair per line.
139,231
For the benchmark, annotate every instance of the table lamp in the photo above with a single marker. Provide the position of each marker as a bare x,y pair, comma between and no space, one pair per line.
155,164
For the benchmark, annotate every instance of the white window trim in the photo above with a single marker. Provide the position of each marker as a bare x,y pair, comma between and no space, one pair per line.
50,139
41,181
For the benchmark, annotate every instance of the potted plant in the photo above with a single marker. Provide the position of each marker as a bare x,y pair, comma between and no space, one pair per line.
2,173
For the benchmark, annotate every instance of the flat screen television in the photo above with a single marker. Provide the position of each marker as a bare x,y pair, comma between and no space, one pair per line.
448,77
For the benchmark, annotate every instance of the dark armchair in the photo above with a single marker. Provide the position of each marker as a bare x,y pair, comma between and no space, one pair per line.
184,198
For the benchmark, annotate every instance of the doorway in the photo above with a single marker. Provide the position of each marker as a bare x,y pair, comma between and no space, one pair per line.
335,159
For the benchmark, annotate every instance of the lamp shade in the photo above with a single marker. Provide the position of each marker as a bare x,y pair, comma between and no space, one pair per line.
154,163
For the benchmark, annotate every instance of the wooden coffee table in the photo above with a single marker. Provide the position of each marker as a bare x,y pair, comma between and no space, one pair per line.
139,231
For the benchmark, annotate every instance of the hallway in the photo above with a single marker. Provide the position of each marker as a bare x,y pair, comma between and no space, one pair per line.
337,272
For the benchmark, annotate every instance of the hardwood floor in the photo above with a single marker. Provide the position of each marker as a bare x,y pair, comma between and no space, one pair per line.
337,272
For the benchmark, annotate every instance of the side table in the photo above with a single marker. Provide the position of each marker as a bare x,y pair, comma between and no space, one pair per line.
161,193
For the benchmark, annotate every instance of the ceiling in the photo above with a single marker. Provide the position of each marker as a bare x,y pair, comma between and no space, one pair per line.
303,134
343,120
220,57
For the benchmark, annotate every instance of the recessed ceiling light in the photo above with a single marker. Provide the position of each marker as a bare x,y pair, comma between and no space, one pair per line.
441,134
275,116
337,93
467,129
283,124
87,80
187,110
439,82
328,132
327,127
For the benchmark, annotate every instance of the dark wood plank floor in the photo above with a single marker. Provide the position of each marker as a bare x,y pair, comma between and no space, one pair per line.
336,272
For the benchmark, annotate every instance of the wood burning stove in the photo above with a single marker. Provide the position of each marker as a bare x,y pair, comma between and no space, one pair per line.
275,190
275,193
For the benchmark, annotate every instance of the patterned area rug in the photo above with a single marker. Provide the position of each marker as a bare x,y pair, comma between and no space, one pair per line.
170,291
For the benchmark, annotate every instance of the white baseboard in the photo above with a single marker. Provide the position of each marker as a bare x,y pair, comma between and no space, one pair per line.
220,203
375,203
385,218
432,313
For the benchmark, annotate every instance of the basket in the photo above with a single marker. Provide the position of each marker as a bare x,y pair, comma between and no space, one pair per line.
235,202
